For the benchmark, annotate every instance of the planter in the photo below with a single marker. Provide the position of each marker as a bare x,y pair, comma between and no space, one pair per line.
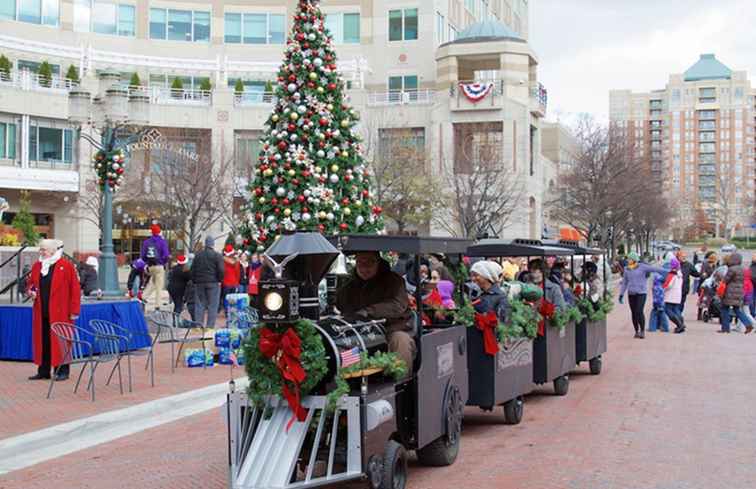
553,353
497,379
590,340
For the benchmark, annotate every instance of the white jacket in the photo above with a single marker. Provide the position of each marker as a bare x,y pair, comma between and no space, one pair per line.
673,293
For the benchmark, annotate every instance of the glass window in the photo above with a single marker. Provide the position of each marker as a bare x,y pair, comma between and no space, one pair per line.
157,23
30,11
49,144
352,28
333,24
410,24
104,18
255,26
50,12
8,9
179,25
277,26
201,26
7,140
410,82
232,28
395,25
395,83
126,20
67,145
82,15
33,66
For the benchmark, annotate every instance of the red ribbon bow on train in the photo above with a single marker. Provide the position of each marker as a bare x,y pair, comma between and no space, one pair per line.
286,349
487,324
547,310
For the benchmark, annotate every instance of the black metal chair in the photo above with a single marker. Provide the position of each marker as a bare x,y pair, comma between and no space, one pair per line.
74,351
169,327
126,347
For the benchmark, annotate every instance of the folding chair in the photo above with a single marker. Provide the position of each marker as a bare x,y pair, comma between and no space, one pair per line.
126,346
74,351
171,328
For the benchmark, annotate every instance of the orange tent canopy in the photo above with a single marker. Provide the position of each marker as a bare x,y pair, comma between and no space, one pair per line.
570,234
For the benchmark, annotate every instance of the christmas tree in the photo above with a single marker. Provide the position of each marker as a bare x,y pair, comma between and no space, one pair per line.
310,174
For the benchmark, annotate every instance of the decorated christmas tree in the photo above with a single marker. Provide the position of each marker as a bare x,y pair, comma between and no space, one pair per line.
310,174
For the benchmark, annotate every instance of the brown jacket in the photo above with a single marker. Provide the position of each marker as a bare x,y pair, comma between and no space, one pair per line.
382,297
734,280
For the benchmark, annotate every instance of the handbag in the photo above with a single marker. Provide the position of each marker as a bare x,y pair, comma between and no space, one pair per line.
721,289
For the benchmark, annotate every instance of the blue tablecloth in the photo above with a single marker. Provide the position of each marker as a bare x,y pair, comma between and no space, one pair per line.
16,325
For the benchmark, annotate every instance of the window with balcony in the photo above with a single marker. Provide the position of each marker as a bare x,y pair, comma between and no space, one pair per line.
105,17
188,82
51,145
7,141
403,24
43,12
707,125
707,92
179,25
254,28
248,147
404,83
344,27
707,136
706,148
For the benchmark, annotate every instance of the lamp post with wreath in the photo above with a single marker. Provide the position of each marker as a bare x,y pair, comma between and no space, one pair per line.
111,109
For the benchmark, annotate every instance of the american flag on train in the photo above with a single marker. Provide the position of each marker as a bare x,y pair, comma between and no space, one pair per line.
350,357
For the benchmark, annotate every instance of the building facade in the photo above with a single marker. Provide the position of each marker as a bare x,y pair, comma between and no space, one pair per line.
402,62
696,137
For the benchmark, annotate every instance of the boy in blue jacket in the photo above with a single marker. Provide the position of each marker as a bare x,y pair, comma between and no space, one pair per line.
658,318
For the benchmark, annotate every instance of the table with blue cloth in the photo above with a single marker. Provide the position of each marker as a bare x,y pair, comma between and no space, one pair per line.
16,325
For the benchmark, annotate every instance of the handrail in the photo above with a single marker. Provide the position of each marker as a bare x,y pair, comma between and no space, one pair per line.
23,247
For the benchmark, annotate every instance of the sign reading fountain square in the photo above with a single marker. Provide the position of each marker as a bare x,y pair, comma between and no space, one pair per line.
153,139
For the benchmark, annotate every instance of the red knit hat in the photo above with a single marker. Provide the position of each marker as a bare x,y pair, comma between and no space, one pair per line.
181,260
155,228
228,250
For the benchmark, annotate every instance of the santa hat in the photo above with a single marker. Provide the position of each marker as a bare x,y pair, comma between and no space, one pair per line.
155,228
181,260
228,250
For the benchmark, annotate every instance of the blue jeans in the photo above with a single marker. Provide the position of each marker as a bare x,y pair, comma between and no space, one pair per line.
658,319
207,296
674,315
739,313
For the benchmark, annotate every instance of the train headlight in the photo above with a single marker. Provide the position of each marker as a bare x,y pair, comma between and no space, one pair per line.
279,300
273,301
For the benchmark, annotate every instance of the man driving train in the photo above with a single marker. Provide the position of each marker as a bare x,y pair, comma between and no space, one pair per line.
375,292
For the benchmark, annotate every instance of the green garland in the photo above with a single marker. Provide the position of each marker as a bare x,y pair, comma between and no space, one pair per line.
523,321
390,362
563,317
109,167
264,376
465,314
598,312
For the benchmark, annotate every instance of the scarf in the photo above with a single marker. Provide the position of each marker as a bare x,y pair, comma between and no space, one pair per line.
48,262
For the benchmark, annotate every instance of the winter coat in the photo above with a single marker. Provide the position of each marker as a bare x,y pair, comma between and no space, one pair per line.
673,292
178,278
207,267
160,247
64,302
635,280
553,294
753,274
232,272
734,280
382,297
87,278
255,272
688,270
658,290
493,299
747,285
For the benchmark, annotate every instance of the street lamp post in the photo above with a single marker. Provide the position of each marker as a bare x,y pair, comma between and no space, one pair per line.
112,108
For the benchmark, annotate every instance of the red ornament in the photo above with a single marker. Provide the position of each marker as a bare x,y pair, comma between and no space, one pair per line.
347,178
258,191
321,144
282,146
321,228
310,84
377,209
301,198
262,237
306,45
287,166
343,226
345,201
331,86
276,210
305,209
292,128
306,173
365,193
286,202
292,78
300,36
295,182
274,165
274,201
322,179
323,121
328,57
259,216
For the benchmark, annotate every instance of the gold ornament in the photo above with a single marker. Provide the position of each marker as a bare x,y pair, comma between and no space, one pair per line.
313,76
334,168
292,173
347,211
274,118
345,123
261,200
287,212
294,116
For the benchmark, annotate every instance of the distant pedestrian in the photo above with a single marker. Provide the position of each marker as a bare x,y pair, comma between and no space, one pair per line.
88,276
255,273
155,254
178,278
659,320
244,277
732,301
635,283
753,284
207,276
231,275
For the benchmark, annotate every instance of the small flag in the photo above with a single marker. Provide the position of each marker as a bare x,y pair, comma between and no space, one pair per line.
350,357
234,360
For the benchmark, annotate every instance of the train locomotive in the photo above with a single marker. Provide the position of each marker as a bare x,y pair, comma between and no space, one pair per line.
371,430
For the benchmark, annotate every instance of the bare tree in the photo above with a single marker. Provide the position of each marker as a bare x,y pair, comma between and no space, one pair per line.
723,210
92,202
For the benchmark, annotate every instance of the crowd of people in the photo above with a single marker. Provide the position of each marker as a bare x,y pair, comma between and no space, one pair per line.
723,288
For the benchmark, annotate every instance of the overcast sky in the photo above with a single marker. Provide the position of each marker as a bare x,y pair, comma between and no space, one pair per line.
588,47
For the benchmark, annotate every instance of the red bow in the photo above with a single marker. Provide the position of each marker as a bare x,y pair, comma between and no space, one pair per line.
286,349
434,299
547,310
487,324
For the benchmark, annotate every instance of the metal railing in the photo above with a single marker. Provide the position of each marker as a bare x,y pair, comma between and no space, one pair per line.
254,98
20,277
172,96
539,94
27,80
401,97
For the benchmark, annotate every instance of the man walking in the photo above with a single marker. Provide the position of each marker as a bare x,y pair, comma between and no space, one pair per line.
207,275
688,270
155,254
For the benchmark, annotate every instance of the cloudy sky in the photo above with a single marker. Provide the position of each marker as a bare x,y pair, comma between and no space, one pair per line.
587,47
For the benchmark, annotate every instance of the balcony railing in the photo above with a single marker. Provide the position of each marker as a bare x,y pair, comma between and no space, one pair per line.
541,95
27,80
401,97
246,99
171,96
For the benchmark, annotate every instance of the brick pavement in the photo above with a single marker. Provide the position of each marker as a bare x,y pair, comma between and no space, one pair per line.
668,412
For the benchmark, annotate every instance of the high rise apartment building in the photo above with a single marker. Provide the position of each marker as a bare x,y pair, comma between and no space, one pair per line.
696,138
402,62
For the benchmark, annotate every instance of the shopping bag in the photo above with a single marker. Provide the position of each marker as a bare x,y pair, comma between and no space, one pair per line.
721,289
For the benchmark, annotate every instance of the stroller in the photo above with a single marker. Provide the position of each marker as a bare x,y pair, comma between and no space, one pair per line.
709,304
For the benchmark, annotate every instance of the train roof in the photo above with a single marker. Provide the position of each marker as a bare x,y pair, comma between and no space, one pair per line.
412,245
516,247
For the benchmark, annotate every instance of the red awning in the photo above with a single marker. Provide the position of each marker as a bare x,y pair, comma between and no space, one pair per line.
570,234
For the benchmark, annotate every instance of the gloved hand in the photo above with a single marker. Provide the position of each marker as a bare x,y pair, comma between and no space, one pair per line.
622,299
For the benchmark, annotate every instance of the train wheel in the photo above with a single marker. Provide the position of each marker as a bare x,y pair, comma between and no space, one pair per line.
513,410
561,385
595,365
443,451
394,466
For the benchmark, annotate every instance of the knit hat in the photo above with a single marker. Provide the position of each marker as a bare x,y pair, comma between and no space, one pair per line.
92,262
181,260
155,229
633,256
488,270
228,250
139,264
209,242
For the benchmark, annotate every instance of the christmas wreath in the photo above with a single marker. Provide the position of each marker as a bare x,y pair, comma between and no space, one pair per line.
389,362
109,166
523,321
596,312
286,360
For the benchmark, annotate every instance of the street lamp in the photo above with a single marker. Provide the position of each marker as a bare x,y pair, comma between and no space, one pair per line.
113,107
